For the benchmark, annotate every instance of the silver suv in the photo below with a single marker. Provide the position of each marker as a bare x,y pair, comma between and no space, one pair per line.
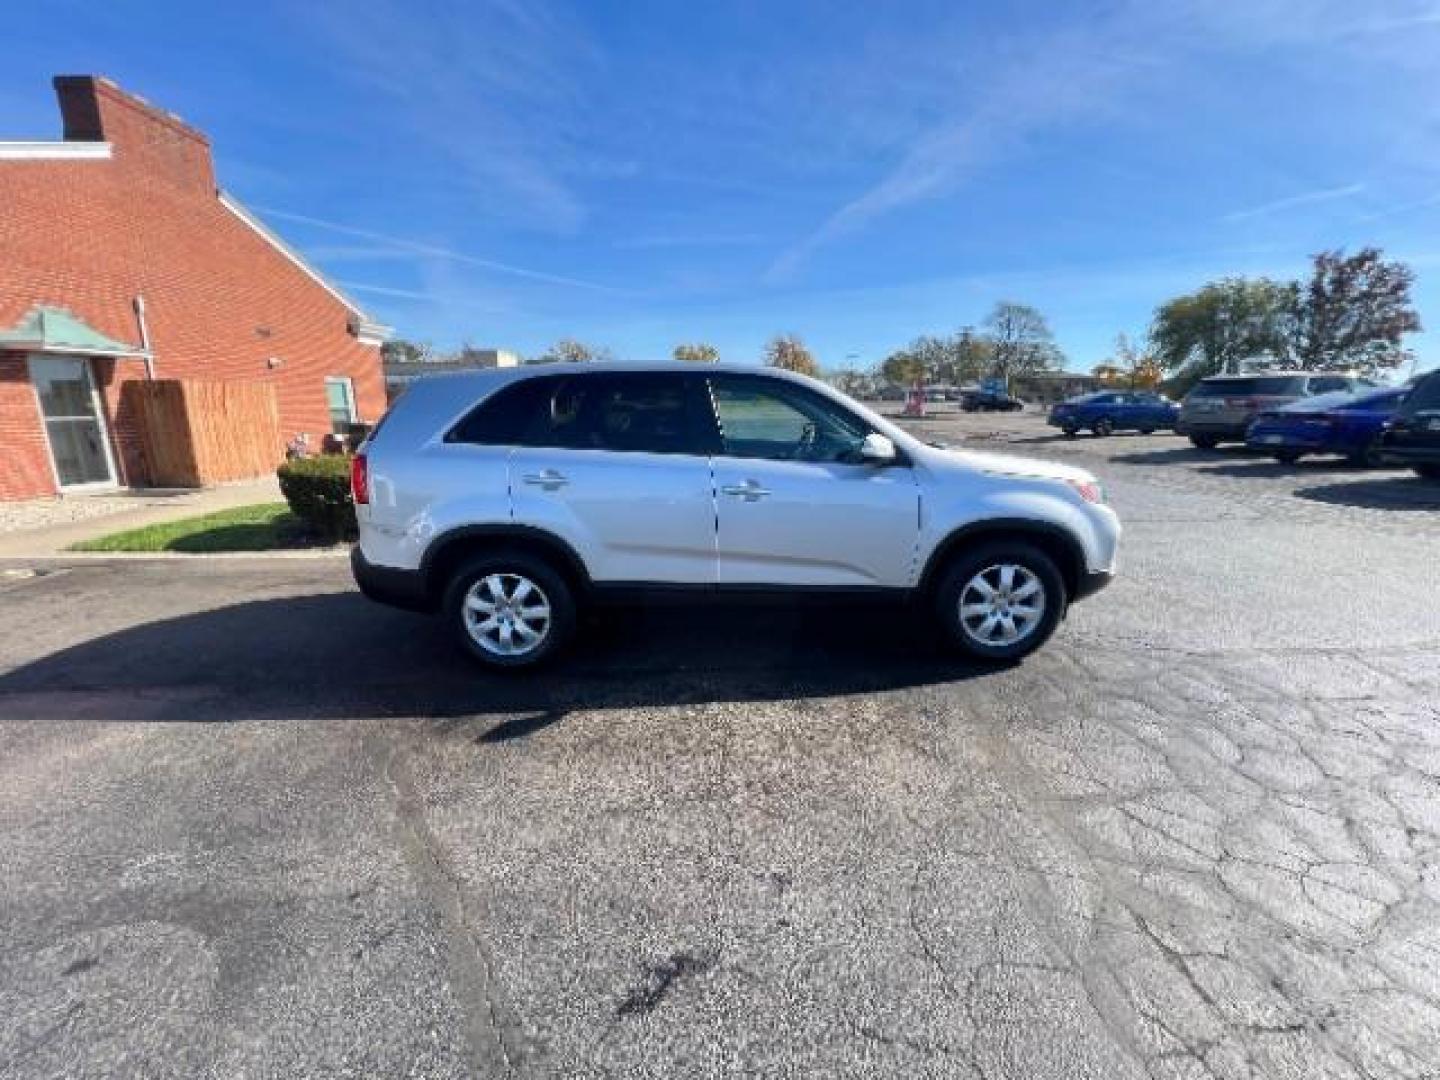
1222,407
507,499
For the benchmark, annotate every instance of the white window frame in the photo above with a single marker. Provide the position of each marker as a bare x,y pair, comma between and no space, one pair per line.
349,384
97,402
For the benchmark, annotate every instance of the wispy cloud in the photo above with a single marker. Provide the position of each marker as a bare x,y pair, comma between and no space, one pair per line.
1014,89
685,240
1028,87
386,290
486,86
357,253
433,251
1383,25
1290,202
1401,208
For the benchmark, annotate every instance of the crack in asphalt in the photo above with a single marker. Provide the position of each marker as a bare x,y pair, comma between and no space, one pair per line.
488,1035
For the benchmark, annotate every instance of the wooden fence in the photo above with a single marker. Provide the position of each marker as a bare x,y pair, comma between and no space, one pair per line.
194,433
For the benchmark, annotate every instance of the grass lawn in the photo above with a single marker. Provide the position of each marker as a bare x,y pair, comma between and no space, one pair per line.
242,528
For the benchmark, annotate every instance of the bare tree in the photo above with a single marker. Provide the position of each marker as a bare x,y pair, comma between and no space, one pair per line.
1020,340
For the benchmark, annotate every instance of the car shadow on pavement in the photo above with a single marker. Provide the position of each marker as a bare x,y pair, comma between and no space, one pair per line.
1174,455
1407,492
1267,468
336,655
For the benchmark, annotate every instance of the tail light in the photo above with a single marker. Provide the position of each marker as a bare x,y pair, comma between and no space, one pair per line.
360,479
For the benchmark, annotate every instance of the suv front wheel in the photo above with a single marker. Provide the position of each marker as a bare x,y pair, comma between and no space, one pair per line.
1001,601
509,609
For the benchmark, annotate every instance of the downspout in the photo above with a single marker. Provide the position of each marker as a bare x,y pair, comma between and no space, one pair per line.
144,338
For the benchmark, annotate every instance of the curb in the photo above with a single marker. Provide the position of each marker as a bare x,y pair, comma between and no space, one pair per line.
174,556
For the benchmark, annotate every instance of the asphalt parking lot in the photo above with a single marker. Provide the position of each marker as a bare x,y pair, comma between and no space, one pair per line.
251,825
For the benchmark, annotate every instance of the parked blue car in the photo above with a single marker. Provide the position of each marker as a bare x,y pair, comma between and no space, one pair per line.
1107,411
1341,423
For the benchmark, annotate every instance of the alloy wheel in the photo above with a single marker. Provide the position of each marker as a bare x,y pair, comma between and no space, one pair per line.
1002,604
507,614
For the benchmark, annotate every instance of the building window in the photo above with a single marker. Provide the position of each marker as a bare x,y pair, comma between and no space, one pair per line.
340,397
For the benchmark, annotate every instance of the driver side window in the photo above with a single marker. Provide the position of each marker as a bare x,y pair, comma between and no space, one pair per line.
766,418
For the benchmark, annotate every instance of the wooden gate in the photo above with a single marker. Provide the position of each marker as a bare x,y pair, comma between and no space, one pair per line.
194,433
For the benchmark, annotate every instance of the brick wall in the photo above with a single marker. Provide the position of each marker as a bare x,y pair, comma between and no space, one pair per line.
25,470
91,235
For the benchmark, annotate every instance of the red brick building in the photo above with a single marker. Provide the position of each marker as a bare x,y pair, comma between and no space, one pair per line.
120,259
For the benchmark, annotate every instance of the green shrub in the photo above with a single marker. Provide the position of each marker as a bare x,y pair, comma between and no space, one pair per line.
318,491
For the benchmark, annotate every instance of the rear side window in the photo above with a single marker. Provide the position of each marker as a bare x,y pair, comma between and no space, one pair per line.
629,412
1206,388
505,416
1326,384
1260,386
635,412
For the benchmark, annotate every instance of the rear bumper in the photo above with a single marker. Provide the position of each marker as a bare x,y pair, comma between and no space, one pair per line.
388,585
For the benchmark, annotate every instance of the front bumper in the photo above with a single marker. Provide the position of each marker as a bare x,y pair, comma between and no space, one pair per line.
389,585
1410,455
1287,440
1219,429
1091,582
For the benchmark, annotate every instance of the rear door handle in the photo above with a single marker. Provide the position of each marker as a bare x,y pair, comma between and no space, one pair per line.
548,479
750,491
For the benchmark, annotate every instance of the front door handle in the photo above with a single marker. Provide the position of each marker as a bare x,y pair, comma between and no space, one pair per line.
548,479
750,490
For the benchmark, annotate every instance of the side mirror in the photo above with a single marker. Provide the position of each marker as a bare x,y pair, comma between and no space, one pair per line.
876,449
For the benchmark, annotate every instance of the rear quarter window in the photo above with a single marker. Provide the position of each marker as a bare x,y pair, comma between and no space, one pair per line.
504,417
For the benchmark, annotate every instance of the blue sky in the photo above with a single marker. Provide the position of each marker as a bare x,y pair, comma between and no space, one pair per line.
636,174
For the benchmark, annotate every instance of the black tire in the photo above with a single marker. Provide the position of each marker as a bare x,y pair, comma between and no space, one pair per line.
1204,442
512,563
1069,431
1367,457
1147,431
1102,428
1428,472
1286,457
962,571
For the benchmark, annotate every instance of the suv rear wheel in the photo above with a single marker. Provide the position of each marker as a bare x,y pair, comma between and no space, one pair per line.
509,609
1204,442
1001,601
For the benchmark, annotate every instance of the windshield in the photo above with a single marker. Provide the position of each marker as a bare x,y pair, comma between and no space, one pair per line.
1336,399
1425,395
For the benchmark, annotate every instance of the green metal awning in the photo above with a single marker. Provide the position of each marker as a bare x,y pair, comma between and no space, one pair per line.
55,330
